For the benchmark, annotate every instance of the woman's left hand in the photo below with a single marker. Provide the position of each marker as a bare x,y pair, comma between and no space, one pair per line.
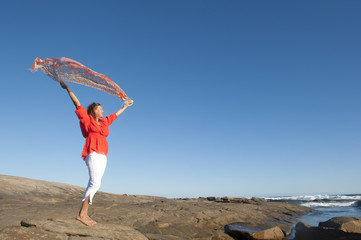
126,105
129,104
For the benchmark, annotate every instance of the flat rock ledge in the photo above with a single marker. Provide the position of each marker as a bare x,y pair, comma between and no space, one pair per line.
69,230
47,210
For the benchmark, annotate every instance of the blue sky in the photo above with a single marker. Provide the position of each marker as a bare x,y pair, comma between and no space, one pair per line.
232,98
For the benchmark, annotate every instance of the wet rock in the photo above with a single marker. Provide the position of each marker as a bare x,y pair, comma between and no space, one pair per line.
329,230
287,230
319,233
236,233
346,224
301,226
252,233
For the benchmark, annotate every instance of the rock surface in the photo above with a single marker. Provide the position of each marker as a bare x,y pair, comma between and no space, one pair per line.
253,233
301,226
46,210
329,230
287,230
271,233
346,224
70,228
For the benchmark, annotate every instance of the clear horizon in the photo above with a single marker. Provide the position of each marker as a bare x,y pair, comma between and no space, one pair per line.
271,195
231,98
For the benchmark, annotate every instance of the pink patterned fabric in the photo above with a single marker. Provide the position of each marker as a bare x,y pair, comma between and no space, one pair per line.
65,69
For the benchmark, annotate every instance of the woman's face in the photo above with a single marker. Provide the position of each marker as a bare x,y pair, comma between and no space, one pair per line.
98,112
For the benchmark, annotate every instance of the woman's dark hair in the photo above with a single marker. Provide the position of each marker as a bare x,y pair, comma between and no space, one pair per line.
91,108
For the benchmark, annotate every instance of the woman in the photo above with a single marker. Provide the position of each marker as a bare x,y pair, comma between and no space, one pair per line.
95,130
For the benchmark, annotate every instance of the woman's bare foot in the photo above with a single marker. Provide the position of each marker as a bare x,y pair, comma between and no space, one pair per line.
91,220
85,220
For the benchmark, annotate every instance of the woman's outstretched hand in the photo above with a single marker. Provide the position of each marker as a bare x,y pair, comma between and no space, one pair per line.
128,104
63,85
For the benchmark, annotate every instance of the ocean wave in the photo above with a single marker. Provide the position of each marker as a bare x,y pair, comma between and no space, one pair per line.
299,198
317,197
328,204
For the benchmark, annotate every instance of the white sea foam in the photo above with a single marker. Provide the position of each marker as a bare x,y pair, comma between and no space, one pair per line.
355,197
328,204
300,198
316,197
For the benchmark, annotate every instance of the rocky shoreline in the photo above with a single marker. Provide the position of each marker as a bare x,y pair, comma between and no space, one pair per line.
34,209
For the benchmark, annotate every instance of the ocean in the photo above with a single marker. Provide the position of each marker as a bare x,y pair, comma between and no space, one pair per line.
326,206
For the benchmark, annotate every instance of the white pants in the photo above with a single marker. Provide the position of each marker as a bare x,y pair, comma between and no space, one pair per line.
96,164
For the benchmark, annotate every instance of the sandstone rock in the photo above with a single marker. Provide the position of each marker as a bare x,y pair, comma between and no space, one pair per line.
252,200
247,200
30,233
234,232
258,200
211,198
253,233
158,217
28,223
287,230
75,228
271,233
163,237
329,230
319,233
301,226
346,224
235,200
162,225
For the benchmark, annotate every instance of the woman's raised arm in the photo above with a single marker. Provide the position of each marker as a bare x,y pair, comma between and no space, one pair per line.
71,94
120,111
